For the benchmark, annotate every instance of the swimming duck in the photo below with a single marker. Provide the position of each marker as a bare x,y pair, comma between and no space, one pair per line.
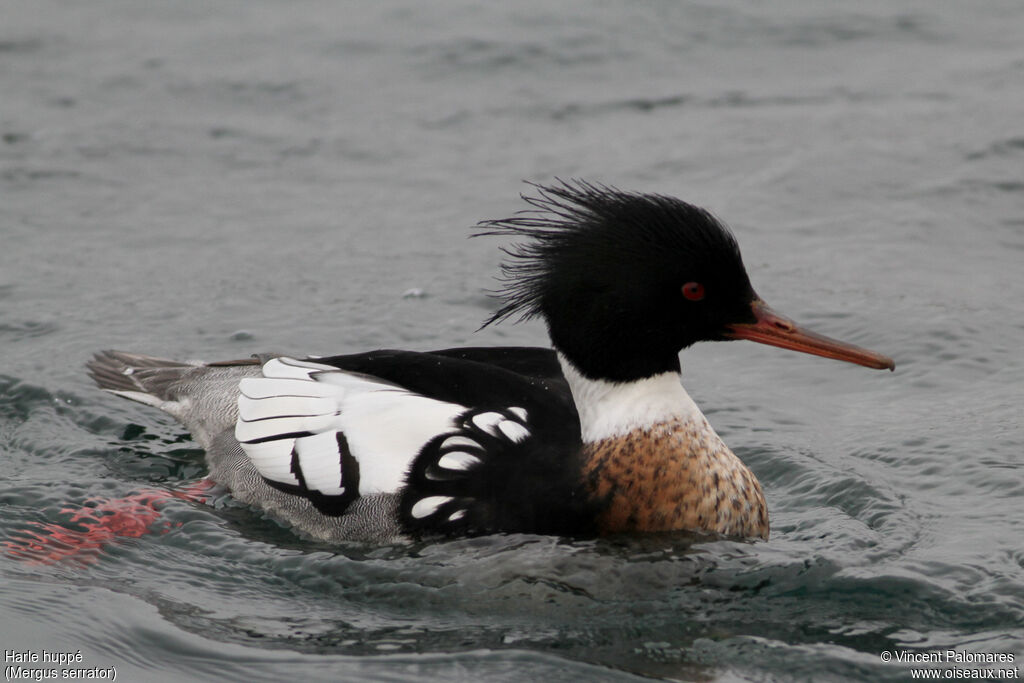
594,436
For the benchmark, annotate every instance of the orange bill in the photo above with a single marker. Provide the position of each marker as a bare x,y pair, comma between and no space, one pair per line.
778,330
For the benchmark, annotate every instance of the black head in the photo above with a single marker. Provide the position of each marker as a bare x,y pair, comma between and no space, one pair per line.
623,280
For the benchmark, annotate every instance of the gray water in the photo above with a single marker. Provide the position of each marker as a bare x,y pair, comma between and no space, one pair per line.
208,180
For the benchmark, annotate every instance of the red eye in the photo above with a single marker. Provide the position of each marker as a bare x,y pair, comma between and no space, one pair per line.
694,291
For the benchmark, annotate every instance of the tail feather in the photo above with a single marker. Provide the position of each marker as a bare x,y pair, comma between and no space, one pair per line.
141,378
202,396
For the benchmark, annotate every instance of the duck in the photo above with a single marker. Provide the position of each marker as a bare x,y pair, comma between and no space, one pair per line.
592,436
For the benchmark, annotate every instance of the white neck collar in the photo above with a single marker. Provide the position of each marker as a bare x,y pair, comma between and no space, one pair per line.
613,409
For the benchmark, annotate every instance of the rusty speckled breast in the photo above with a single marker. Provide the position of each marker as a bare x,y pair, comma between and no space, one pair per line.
674,476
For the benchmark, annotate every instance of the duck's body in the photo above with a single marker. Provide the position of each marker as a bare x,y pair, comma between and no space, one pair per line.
596,437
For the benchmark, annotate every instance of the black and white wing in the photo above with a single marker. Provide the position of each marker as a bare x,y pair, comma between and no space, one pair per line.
332,435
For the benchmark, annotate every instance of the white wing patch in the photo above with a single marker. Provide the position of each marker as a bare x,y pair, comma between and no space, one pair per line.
298,409
428,506
273,459
321,462
492,423
457,460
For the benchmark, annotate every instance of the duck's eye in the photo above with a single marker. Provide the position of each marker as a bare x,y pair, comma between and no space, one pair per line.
694,291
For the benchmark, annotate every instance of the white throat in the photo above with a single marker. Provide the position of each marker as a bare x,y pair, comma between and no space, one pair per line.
613,409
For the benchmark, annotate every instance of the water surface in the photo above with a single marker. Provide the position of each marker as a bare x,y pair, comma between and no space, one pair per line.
211,181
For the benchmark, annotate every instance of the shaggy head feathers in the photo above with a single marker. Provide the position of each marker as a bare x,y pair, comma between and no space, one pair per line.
605,268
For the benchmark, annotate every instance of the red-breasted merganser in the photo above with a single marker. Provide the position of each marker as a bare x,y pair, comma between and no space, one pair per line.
594,436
